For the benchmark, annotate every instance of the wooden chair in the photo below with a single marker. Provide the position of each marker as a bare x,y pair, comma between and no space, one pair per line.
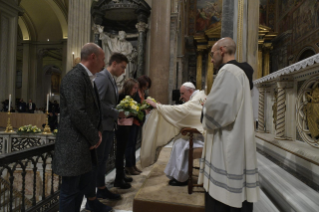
193,154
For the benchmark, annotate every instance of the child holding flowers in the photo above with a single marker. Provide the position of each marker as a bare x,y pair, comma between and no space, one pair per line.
130,109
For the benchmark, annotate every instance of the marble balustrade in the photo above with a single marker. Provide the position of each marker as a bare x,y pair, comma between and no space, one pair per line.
12,142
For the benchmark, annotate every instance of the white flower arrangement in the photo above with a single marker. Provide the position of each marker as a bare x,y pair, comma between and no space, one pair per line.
29,129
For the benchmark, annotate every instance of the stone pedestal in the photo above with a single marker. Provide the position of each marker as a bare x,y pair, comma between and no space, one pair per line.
79,29
159,58
9,11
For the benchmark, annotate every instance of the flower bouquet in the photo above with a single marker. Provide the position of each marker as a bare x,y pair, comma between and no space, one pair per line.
129,106
145,105
29,129
55,131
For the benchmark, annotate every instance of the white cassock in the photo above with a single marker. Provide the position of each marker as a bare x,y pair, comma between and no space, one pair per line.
163,125
229,172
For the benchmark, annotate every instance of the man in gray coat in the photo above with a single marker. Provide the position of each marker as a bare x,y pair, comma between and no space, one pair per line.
79,131
109,97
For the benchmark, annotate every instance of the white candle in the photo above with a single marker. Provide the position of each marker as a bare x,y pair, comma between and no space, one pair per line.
47,102
9,102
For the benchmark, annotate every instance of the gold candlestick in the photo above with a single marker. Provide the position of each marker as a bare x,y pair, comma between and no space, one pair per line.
9,128
47,129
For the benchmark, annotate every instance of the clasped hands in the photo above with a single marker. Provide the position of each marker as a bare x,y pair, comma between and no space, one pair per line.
98,143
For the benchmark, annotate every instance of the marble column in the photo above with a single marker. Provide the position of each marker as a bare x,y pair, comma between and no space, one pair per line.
25,71
173,53
159,57
260,64
261,111
9,12
252,35
240,23
79,28
281,110
64,58
199,70
141,27
209,75
227,18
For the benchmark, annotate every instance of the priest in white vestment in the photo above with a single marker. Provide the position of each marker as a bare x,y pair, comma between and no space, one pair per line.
164,124
229,172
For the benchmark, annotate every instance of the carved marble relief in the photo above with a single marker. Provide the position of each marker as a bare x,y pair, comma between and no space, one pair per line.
307,112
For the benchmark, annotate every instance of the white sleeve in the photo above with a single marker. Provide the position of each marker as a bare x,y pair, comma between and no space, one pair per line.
223,102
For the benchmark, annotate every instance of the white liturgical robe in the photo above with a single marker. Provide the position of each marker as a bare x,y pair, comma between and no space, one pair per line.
229,164
165,123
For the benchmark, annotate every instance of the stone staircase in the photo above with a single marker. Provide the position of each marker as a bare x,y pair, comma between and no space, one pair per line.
5,198
284,190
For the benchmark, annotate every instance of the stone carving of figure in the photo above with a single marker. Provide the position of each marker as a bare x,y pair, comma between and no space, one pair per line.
117,44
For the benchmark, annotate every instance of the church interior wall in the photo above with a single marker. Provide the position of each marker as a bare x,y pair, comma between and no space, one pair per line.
301,19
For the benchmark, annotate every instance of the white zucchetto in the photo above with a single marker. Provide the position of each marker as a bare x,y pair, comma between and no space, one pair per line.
189,85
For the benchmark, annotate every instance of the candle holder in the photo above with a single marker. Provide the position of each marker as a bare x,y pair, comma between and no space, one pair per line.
47,129
9,128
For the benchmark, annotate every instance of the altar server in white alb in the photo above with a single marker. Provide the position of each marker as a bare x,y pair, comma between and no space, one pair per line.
229,171
164,124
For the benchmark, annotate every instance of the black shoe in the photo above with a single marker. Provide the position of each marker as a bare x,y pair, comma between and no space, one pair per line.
128,179
174,182
106,194
97,206
122,184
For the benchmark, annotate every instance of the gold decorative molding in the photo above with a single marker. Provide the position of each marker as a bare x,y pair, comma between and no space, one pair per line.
199,70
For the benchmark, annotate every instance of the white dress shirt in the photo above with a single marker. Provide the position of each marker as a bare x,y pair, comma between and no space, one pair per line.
92,77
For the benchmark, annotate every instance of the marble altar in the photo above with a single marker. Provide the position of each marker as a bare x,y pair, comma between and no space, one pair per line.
288,119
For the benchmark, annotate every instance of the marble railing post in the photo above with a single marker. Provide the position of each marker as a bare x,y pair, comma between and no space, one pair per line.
199,70
141,27
261,112
281,110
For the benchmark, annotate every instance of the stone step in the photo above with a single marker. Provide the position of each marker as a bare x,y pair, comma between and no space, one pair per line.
264,204
285,191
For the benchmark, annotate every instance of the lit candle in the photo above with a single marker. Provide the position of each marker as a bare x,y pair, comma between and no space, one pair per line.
9,102
47,102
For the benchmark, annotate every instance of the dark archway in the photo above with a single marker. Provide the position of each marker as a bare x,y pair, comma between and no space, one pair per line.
305,54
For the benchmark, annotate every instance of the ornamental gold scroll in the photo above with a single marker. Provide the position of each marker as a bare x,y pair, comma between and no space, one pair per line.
311,110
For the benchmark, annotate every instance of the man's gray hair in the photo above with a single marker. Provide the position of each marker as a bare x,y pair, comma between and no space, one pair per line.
189,85
88,49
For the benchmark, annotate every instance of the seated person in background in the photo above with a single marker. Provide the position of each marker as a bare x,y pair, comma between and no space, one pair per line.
166,123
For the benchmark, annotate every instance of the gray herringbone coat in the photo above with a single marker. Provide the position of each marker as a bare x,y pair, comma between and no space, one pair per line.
80,121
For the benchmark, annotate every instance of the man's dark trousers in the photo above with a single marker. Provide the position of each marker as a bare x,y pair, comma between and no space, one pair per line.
72,192
99,171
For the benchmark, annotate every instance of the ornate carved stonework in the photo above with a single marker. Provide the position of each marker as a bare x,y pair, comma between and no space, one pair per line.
307,112
141,27
311,110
